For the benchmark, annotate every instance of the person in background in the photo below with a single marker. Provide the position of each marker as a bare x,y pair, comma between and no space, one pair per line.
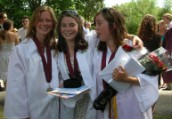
87,25
167,44
86,31
75,64
147,32
167,18
151,40
142,94
23,30
33,71
3,17
8,40
161,29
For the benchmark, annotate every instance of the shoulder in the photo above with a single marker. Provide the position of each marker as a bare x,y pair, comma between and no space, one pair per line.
20,29
28,42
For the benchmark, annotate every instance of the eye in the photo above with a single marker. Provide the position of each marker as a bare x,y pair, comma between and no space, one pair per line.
72,24
63,25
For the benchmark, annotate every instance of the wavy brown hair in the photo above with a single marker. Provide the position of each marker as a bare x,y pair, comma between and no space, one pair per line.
113,16
34,20
80,42
147,28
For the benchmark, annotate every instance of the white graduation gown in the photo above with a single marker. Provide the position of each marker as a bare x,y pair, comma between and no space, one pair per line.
135,102
85,66
26,87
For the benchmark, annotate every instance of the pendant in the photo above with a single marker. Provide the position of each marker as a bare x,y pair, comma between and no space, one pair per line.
49,88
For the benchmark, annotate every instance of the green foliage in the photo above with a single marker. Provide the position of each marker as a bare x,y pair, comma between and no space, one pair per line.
15,9
136,9
88,8
133,11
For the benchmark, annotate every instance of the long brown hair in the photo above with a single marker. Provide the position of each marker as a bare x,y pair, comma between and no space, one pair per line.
113,16
80,42
147,28
35,18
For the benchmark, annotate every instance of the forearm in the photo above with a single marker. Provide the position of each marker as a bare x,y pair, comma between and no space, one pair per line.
130,36
132,80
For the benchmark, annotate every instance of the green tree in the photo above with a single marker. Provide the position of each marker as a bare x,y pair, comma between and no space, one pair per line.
88,8
17,8
134,12
167,7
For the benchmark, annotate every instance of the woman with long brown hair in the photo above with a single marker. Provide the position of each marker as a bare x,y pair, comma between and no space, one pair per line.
33,71
133,102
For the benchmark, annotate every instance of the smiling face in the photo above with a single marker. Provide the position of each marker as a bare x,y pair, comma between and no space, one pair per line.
69,28
102,28
44,25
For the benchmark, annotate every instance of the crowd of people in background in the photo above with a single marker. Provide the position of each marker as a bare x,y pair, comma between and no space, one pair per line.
34,60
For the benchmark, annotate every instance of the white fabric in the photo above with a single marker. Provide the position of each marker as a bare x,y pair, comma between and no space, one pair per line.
22,33
26,87
85,66
134,103
5,52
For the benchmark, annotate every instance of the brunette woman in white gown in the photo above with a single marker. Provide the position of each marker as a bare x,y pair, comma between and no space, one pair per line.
8,40
136,101
73,51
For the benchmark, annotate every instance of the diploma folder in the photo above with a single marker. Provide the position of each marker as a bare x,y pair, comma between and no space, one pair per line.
129,62
68,92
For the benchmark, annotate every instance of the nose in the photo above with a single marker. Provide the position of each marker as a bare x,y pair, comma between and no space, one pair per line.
67,28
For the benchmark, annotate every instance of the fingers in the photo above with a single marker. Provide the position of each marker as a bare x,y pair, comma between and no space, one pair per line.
137,42
117,73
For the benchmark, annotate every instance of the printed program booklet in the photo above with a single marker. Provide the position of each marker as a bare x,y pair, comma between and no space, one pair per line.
68,92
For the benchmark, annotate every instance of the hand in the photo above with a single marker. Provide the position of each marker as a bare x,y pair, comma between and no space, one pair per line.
137,42
60,85
120,74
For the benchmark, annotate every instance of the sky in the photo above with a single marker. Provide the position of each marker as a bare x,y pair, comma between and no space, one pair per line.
110,3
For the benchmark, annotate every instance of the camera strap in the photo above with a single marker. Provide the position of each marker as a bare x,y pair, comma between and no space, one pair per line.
72,71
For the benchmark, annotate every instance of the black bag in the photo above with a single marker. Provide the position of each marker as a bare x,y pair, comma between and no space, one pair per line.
73,82
104,97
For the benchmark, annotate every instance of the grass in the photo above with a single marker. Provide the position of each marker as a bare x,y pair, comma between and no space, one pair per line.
1,111
155,116
162,117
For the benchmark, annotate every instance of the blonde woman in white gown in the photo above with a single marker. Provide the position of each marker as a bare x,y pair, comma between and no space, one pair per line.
8,40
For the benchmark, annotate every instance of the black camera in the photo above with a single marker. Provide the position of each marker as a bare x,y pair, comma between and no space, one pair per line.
73,82
104,97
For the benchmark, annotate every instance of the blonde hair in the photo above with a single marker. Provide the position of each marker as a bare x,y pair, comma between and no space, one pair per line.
168,16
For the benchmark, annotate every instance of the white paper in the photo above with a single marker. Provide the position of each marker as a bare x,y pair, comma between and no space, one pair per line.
131,65
68,92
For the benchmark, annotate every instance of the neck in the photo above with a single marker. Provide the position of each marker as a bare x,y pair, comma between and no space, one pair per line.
111,45
71,47
41,39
